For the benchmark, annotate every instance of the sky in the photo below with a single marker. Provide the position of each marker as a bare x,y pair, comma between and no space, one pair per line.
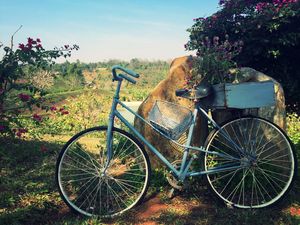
104,29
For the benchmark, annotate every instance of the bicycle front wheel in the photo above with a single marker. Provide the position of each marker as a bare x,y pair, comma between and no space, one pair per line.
260,163
89,188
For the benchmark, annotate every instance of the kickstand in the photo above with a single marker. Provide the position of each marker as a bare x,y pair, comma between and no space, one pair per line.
172,193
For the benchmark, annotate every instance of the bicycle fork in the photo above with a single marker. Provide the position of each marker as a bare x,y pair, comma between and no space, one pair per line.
110,126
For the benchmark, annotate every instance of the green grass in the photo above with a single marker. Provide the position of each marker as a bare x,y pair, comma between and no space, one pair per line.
28,194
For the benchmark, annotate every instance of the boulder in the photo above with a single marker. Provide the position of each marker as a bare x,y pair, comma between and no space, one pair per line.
165,90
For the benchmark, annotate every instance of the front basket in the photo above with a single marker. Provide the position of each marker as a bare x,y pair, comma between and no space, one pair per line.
169,118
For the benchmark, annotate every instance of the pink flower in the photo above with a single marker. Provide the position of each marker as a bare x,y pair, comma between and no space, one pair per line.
66,46
38,40
36,117
260,6
293,211
39,46
24,97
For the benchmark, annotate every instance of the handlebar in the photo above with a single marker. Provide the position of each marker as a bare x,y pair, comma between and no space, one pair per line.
127,78
124,76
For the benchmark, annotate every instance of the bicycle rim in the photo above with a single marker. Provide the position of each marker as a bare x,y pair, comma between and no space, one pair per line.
266,159
91,190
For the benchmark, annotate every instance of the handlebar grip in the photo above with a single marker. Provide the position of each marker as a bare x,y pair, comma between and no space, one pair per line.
129,72
127,78
180,92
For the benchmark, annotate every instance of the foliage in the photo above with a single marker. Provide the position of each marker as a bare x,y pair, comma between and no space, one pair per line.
270,32
68,76
16,92
78,113
293,128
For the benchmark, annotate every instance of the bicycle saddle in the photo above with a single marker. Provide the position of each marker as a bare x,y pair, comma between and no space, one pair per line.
201,91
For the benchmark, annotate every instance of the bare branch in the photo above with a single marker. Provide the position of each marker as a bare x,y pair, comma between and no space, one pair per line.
12,37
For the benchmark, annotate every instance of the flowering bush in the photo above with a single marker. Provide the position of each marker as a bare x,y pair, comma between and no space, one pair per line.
270,32
16,93
214,61
75,115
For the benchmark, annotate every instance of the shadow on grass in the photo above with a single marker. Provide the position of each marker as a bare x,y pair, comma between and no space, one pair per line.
28,193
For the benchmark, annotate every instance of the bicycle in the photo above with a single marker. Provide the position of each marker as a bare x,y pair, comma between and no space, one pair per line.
248,162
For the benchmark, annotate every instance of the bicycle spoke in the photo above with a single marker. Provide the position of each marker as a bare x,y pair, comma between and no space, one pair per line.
92,160
266,171
91,190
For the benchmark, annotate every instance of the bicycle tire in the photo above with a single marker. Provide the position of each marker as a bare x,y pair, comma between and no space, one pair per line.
270,175
86,188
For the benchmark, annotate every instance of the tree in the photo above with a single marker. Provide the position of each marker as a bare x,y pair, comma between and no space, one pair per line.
270,32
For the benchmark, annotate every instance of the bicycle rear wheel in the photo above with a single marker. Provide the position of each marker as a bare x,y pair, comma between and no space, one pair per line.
87,187
264,155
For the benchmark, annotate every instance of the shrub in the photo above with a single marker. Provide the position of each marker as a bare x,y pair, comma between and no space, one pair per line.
17,93
293,127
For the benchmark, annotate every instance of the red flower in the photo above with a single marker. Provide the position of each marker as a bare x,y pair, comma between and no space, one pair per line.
23,130
24,97
64,112
53,108
22,47
20,131
39,46
37,118
29,46
29,41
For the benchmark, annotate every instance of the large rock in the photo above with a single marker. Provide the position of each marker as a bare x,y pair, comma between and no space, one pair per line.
165,90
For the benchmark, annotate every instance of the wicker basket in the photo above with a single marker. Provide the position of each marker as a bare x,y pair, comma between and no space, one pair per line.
169,118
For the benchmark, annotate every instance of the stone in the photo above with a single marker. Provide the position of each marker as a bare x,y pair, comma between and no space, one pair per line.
165,90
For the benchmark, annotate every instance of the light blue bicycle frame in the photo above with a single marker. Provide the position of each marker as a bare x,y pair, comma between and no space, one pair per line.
186,162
